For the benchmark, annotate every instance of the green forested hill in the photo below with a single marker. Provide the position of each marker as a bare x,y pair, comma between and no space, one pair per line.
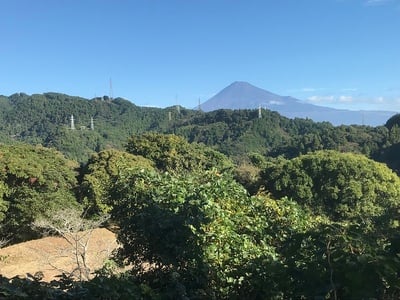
45,119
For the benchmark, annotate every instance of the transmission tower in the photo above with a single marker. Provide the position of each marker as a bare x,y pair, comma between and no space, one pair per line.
72,122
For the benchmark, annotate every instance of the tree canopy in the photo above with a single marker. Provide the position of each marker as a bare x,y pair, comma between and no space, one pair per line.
173,153
340,185
34,181
201,235
100,173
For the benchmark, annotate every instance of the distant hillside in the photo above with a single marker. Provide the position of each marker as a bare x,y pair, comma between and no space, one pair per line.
45,119
242,95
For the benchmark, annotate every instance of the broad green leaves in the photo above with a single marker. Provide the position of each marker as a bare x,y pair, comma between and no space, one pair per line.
205,229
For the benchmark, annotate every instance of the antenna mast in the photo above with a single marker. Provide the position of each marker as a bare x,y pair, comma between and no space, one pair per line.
178,108
259,112
111,91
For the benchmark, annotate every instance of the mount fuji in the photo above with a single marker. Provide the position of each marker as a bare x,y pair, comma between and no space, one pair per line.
243,95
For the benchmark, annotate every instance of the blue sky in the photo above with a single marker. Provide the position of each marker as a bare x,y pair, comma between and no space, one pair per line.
338,53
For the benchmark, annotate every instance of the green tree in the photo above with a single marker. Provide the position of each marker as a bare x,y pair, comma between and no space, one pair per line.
100,173
340,185
173,153
353,251
200,235
34,181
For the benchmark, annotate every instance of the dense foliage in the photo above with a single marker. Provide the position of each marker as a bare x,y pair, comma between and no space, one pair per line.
45,119
173,153
359,241
274,209
99,173
340,185
202,236
34,181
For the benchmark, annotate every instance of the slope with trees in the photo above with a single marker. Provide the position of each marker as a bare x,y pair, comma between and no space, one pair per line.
45,119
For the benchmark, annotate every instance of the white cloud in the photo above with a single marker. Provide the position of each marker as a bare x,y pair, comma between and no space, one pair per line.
304,90
275,102
346,99
332,99
321,99
357,102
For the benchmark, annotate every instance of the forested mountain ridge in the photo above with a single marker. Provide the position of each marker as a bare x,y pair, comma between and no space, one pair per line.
45,119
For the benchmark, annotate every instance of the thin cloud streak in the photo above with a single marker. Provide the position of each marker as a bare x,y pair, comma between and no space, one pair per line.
376,2
349,90
308,89
351,102
346,99
305,90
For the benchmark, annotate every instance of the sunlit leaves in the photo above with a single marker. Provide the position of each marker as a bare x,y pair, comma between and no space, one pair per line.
100,173
355,202
341,185
33,181
174,154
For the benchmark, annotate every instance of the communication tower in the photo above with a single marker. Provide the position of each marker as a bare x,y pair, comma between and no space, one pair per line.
111,95
178,108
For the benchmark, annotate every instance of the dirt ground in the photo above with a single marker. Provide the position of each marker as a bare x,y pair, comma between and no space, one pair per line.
51,255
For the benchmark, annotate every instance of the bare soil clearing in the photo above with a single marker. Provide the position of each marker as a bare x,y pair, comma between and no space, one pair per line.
52,255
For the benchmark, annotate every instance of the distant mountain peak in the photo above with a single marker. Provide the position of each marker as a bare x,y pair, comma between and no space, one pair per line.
243,95
241,84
